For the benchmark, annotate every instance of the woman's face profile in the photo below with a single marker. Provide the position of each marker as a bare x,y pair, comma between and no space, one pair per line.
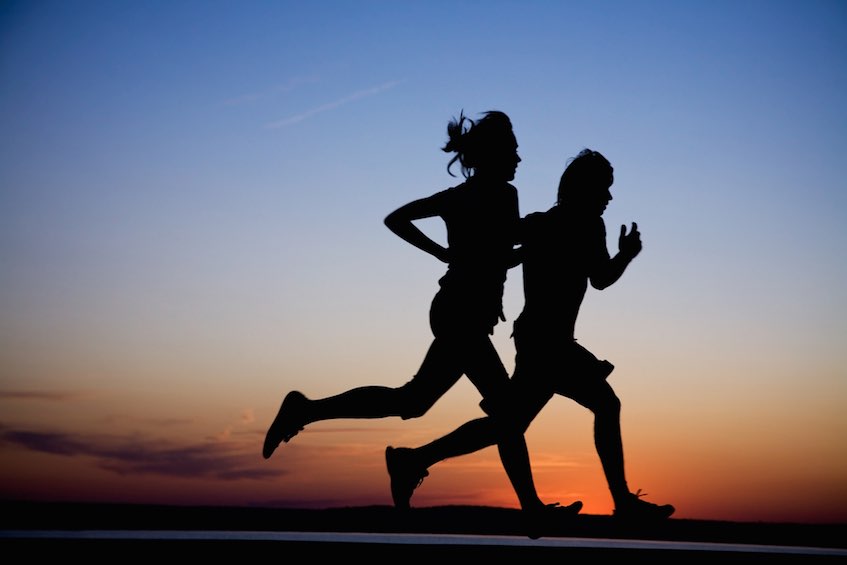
503,161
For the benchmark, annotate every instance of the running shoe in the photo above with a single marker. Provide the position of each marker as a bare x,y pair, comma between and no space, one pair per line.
405,477
633,508
288,422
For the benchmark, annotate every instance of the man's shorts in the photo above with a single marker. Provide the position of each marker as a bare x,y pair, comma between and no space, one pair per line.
549,361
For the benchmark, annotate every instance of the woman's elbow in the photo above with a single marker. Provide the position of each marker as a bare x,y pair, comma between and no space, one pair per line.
392,221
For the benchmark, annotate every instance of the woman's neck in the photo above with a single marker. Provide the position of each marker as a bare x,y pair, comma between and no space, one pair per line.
490,178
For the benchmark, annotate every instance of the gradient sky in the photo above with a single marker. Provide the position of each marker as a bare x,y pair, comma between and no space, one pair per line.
191,206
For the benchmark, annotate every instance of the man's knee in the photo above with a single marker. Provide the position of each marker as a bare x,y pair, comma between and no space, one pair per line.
613,404
608,405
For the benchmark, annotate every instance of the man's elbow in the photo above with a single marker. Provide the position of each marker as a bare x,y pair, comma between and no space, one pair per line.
600,283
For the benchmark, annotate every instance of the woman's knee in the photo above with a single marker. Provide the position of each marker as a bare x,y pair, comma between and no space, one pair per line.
413,402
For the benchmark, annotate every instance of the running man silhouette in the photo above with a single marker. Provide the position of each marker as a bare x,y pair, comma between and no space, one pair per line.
563,250
482,218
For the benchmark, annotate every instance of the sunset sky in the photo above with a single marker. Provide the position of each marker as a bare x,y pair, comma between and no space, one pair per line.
192,197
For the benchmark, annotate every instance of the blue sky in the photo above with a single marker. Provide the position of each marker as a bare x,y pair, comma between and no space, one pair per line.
192,195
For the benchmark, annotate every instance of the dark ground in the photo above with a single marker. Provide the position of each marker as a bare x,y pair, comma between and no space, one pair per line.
458,520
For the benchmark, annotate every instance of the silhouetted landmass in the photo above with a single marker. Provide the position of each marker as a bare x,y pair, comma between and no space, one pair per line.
467,520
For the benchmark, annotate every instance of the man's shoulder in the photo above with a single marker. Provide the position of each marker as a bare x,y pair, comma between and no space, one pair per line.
536,227
538,219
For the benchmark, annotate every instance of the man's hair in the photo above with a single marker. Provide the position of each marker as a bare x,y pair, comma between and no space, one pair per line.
583,173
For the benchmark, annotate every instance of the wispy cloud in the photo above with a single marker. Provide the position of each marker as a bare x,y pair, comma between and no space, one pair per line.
333,105
112,420
271,92
50,396
127,455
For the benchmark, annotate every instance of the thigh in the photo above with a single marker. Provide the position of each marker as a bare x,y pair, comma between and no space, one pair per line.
483,366
440,370
455,315
583,378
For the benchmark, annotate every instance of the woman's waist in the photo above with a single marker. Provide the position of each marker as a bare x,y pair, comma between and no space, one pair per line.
545,325
480,279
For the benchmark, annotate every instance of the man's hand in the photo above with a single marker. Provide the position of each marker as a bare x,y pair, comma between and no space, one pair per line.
630,243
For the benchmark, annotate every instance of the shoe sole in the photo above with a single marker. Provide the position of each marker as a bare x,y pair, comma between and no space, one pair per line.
658,514
551,516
